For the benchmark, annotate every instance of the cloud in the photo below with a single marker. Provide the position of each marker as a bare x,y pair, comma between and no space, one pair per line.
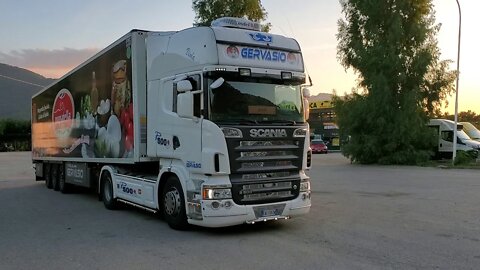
50,63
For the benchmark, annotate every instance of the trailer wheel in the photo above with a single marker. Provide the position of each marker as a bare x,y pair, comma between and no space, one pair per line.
174,204
107,192
47,175
62,186
54,175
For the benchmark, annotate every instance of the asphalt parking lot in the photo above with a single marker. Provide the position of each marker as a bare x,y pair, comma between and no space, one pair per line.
363,217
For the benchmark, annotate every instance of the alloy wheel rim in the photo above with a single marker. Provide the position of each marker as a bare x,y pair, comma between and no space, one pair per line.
172,202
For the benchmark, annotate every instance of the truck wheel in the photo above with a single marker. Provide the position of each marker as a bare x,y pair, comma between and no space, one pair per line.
107,192
62,186
174,204
48,176
54,175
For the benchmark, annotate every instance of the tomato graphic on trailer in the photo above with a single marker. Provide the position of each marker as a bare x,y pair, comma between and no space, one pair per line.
62,116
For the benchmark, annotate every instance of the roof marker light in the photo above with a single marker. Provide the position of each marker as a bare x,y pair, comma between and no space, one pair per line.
245,72
286,75
236,23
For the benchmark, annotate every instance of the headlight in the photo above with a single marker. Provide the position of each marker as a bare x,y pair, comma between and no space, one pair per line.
216,193
305,185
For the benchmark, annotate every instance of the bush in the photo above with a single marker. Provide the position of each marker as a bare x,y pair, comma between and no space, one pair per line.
465,157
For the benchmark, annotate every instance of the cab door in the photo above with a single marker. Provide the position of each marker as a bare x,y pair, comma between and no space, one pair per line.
187,131
446,141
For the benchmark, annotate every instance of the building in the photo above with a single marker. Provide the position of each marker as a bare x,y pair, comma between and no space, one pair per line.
322,120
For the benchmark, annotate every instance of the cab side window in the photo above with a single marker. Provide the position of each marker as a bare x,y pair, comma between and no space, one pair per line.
447,136
196,82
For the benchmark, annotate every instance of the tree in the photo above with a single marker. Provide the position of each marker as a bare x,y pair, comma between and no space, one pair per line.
391,45
467,116
15,133
208,10
437,86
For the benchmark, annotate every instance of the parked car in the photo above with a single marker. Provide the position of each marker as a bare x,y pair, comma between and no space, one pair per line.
319,146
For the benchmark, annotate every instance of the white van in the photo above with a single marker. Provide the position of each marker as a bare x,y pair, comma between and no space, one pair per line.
471,131
444,129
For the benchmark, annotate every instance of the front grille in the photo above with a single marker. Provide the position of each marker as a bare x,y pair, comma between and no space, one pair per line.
262,191
265,192
266,155
252,176
262,196
265,170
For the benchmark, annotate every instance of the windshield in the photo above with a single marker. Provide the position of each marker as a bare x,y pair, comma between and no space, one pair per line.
255,101
471,130
462,135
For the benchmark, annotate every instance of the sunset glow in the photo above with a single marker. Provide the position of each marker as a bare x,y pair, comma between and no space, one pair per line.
313,24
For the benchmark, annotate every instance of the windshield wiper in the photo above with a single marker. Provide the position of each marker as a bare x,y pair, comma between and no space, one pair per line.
240,121
278,121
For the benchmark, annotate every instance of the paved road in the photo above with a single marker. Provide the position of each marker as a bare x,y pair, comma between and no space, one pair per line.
364,217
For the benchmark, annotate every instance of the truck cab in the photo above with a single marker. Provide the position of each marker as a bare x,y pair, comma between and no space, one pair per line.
228,119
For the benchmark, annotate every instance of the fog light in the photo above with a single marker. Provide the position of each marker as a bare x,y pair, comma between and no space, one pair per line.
215,205
228,204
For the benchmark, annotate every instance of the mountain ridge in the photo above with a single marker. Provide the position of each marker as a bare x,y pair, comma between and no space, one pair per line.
17,86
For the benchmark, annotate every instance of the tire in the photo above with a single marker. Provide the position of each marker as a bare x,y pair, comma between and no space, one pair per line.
173,204
54,174
62,186
107,192
48,175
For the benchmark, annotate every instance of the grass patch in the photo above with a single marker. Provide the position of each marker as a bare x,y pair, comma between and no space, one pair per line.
463,160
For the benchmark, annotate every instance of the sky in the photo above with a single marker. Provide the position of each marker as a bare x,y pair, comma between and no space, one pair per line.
51,37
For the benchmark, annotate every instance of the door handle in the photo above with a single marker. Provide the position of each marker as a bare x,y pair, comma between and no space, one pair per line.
176,142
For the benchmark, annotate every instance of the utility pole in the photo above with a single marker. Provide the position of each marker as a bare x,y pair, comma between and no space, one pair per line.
456,86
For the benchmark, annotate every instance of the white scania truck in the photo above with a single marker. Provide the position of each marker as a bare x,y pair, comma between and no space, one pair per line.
205,126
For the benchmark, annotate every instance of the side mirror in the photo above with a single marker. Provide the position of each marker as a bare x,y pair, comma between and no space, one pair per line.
184,86
306,92
306,108
306,104
185,104
217,83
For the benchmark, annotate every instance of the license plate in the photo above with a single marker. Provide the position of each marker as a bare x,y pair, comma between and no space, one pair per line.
268,211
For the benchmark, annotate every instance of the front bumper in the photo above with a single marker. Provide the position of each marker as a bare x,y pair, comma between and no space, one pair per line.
234,214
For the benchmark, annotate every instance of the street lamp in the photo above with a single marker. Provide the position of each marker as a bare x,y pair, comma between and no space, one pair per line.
456,86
